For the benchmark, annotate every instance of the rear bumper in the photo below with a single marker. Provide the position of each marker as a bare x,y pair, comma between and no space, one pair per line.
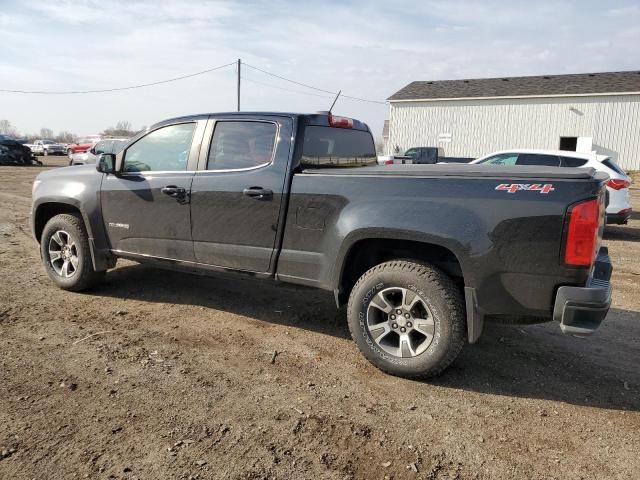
619,218
581,310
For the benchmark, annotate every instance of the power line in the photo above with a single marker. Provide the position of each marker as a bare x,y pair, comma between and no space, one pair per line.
311,86
131,87
244,77
190,75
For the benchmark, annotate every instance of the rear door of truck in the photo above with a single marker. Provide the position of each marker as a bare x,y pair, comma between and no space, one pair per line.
238,190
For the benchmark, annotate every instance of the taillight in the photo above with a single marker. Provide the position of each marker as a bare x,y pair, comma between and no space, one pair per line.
583,232
340,122
618,184
388,162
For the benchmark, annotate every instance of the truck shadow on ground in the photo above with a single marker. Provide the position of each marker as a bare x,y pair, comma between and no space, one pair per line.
623,233
535,361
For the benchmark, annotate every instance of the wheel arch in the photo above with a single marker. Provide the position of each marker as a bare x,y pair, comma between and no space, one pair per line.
47,209
367,249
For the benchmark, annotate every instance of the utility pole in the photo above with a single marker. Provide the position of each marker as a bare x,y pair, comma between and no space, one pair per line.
239,63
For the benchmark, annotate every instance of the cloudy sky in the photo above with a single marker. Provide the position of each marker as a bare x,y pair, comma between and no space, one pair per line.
367,49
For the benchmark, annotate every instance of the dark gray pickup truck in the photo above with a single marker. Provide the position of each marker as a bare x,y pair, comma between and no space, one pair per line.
421,255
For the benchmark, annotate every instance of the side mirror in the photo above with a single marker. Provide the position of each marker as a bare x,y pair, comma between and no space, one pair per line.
92,151
106,163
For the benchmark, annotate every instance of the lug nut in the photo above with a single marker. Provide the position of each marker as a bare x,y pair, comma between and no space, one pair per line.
403,329
406,315
393,317
399,312
394,325
409,324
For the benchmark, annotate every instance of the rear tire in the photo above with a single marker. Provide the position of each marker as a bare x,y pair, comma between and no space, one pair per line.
407,318
66,255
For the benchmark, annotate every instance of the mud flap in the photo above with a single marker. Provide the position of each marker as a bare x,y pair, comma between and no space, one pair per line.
475,320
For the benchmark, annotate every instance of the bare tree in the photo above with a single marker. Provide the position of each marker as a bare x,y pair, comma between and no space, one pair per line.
123,125
122,129
7,129
65,137
46,133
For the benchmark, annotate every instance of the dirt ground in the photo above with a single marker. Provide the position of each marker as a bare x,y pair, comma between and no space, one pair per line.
160,375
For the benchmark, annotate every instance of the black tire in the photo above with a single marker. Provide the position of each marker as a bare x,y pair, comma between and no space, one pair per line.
83,276
436,293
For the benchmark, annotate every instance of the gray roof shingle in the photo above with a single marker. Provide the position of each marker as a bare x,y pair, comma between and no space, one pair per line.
539,85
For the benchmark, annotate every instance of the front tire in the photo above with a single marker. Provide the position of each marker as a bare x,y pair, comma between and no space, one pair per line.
65,252
407,318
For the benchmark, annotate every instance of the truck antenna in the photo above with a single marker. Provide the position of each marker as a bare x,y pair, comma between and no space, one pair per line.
335,100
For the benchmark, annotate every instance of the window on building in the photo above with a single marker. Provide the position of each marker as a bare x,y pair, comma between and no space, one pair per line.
569,144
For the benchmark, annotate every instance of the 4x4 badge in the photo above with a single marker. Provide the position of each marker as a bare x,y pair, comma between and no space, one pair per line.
517,187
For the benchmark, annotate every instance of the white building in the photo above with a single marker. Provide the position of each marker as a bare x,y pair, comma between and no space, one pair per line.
470,118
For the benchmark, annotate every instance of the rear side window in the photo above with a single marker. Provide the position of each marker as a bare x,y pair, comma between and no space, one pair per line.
613,166
337,147
537,159
241,145
572,162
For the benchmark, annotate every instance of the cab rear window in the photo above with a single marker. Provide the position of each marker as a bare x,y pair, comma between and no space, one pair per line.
326,147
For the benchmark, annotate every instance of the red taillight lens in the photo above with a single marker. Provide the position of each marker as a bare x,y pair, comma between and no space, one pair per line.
388,162
618,184
340,122
583,233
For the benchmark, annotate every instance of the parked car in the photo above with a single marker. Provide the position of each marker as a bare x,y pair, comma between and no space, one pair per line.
110,145
420,254
47,147
421,155
619,201
81,145
12,152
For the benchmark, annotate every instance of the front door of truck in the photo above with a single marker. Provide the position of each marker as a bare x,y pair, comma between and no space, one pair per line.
238,190
146,206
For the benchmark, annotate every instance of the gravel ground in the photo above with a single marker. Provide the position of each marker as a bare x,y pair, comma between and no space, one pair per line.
158,374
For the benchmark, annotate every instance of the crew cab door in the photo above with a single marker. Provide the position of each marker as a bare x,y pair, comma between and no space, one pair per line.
145,207
238,190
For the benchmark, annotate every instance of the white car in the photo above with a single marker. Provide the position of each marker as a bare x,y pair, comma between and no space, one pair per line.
47,147
108,145
619,207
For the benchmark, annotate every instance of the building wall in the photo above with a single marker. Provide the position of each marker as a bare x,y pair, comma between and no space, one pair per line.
478,127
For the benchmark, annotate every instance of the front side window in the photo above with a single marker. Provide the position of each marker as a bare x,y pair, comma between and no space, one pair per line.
412,152
164,149
241,145
502,159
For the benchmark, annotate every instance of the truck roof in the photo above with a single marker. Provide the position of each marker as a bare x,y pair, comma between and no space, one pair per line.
318,118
